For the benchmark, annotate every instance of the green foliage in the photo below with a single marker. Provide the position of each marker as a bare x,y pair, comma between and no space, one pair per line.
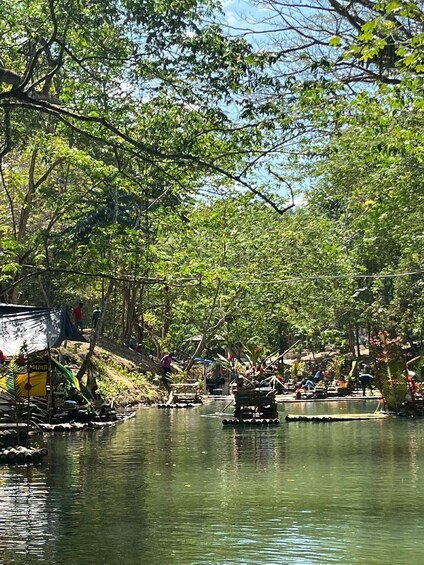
19,410
127,146
123,386
390,368
297,369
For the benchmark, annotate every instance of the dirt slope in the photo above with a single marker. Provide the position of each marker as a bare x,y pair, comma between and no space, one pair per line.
123,376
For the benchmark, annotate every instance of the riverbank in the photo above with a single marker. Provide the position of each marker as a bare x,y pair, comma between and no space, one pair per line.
124,377
289,399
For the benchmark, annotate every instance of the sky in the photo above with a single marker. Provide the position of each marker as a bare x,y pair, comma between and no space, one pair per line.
241,17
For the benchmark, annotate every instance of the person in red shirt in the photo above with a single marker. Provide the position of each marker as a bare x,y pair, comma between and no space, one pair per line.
165,363
78,316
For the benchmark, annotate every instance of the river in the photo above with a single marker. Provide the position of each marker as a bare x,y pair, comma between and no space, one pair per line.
176,487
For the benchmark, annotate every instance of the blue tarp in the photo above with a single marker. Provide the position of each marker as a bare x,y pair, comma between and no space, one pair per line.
203,361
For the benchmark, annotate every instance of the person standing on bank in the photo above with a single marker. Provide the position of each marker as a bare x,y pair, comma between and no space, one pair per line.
95,316
366,380
78,316
165,363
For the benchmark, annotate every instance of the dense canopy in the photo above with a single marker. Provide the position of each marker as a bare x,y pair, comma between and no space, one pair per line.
193,171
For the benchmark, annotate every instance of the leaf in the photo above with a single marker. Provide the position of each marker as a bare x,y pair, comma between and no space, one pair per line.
393,6
335,41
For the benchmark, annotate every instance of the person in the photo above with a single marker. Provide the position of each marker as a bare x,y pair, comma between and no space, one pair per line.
309,385
78,316
132,343
366,381
265,382
95,316
318,376
165,363
412,387
225,381
233,374
262,368
240,382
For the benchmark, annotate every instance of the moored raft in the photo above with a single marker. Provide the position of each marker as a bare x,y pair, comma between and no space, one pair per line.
253,407
78,426
177,405
335,417
183,395
22,455
12,437
251,422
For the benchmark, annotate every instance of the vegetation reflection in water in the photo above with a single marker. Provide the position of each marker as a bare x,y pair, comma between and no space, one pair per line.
177,487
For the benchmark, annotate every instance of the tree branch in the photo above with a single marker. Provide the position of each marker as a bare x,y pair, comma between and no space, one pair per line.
7,134
23,100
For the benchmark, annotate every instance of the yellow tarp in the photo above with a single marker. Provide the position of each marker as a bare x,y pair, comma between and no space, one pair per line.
37,384
37,381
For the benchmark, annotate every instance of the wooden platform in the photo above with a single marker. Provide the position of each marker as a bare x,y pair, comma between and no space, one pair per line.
334,417
178,405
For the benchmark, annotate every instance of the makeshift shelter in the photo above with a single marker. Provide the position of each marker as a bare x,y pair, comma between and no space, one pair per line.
28,334
38,328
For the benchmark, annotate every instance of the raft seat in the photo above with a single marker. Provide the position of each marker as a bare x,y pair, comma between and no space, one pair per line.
254,397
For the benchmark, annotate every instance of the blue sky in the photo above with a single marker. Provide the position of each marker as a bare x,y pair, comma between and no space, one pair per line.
244,16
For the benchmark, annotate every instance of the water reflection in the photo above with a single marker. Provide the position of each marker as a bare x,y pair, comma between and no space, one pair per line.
25,516
178,487
262,443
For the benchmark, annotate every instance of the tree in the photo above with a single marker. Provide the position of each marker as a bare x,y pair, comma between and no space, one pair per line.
363,41
370,185
109,73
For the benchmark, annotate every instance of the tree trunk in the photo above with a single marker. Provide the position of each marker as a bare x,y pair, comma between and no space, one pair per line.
130,318
358,345
167,312
93,340
206,329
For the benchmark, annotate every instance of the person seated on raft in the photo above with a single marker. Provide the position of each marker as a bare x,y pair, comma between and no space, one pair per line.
244,382
239,382
265,382
249,379
283,386
309,385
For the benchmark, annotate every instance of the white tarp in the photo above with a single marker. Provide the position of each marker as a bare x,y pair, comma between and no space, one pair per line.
37,328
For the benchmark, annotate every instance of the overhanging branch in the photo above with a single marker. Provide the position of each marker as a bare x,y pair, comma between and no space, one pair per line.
149,153
107,276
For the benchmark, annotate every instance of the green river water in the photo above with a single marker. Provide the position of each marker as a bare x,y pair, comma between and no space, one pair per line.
176,487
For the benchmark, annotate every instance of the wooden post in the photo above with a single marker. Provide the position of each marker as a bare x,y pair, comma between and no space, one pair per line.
28,387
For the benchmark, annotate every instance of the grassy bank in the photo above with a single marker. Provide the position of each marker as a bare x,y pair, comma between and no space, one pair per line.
123,376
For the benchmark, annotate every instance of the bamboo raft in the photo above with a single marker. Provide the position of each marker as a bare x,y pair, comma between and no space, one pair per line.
178,405
78,426
184,395
251,422
335,417
254,407
22,455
